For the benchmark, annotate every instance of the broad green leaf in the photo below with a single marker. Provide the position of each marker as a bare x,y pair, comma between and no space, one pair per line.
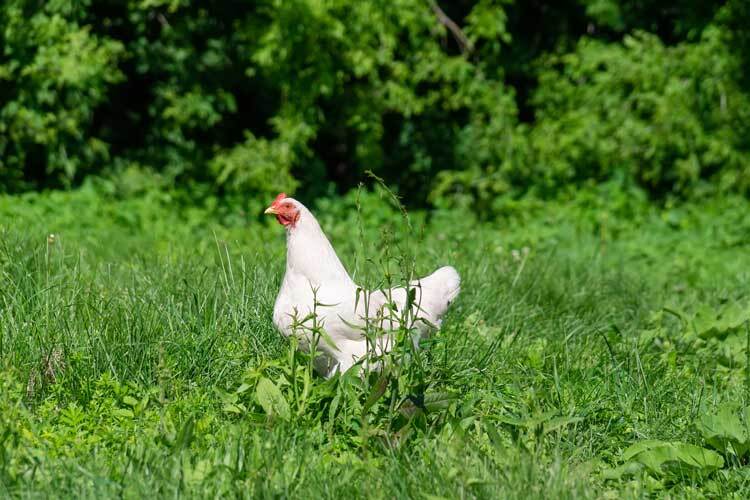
723,429
334,407
668,458
233,408
699,457
731,351
377,391
705,322
242,388
709,323
271,399
226,397
734,316
639,447
680,457
123,413
435,401
130,401
327,339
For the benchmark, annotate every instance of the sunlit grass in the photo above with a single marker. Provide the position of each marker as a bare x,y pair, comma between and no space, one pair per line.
125,349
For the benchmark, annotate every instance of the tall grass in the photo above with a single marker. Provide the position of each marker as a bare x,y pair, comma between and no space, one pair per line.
131,360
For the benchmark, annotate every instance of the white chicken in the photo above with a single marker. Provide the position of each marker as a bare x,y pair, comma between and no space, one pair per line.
317,284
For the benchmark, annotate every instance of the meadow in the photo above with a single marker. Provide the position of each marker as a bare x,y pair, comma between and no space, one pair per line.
585,165
599,348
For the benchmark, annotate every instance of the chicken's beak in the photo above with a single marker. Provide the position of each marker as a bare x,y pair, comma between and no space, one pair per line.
271,210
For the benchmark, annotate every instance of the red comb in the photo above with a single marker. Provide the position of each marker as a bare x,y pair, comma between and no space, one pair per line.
278,198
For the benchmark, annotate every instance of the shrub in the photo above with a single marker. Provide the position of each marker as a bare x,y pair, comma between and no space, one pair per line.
667,117
53,74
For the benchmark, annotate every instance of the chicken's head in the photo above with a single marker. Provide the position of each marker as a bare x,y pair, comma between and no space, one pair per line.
285,209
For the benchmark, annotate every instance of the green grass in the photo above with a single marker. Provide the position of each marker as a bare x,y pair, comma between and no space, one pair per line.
132,342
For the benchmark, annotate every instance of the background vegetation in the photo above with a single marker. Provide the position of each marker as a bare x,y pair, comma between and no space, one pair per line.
449,102
585,164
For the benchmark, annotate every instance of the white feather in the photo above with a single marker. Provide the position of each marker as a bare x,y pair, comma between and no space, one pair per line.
314,272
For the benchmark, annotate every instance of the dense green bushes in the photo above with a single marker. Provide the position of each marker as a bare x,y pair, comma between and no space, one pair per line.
244,100
667,117
54,73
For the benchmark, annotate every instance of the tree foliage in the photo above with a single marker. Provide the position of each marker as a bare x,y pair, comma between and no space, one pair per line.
451,102
54,73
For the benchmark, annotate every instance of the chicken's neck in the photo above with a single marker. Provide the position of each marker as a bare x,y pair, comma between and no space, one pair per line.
310,254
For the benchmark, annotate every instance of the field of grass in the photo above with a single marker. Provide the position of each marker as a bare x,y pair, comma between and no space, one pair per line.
595,351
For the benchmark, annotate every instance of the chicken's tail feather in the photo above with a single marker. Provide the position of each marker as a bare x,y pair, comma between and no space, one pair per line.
451,282
440,289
